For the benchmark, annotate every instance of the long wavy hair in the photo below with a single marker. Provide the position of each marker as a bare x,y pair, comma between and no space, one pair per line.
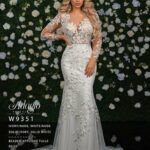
89,10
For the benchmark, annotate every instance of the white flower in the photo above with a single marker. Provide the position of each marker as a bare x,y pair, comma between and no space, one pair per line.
121,76
5,93
2,55
46,54
146,46
137,20
148,2
111,106
43,79
6,26
137,138
12,99
139,88
130,33
138,72
28,87
12,36
116,99
22,57
130,92
116,6
56,5
120,50
137,105
10,14
128,10
55,99
99,97
147,93
31,69
129,22
4,77
2,6
44,114
35,13
29,33
101,1
120,89
18,94
44,62
105,87
62,84
100,78
111,28
47,96
28,76
11,75
9,44
147,75
20,41
111,44
22,19
114,138
13,2
135,3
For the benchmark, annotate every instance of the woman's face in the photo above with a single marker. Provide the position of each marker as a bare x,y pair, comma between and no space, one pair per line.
77,3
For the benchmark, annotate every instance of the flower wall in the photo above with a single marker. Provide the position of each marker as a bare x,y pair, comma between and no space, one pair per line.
30,68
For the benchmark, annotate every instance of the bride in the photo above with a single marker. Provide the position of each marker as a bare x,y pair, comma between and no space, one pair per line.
79,125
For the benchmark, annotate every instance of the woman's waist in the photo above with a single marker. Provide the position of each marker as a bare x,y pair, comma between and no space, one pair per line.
78,44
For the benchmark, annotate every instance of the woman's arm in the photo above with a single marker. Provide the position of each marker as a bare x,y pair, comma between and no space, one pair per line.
97,41
48,31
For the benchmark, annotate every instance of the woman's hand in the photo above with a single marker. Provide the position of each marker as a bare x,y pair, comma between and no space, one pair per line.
65,38
89,70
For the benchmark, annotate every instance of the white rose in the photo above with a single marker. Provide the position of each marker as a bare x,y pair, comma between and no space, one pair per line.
99,97
56,5
2,55
139,88
147,93
130,33
29,33
137,105
10,14
147,75
105,87
130,92
6,26
31,69
4,77
28,87
44,114
111,106
35,13
2,6
13,2
46,54
138,72
128,10
111,28
116,99
44,62
55,99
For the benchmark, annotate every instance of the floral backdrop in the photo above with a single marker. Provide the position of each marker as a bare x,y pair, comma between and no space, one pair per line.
30,68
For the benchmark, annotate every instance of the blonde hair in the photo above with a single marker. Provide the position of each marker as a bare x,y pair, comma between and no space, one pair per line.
89,10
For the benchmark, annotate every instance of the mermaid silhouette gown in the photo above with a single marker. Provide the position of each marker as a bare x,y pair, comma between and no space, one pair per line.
79,126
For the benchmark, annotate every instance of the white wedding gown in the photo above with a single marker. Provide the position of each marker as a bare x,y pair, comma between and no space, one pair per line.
79,126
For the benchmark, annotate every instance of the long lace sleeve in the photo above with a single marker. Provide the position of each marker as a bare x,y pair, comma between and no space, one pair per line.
48,31
97,41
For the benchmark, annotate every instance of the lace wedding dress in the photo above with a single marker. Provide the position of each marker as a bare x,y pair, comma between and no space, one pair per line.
79,126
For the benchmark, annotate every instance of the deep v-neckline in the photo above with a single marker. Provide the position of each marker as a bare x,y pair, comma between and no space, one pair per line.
76,25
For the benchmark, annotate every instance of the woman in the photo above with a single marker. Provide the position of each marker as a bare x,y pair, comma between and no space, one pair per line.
79,126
